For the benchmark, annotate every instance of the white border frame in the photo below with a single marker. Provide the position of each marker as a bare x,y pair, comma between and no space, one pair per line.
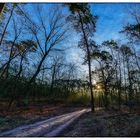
70,1
74,1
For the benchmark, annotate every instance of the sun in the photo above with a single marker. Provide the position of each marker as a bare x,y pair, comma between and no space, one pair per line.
94,82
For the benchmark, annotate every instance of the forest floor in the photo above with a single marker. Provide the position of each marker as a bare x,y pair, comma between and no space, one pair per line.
18,116
98,124
105,124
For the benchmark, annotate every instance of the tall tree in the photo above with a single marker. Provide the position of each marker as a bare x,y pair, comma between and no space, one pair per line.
105,80
84,23
115,51
48,31
127,52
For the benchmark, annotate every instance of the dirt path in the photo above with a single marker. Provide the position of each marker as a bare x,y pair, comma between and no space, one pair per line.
48,128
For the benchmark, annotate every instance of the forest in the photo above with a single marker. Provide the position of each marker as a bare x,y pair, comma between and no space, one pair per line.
52,57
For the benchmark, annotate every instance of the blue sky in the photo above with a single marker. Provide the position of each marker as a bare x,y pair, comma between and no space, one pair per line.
112,18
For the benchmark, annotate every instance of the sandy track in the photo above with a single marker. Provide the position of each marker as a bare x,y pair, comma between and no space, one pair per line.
47,128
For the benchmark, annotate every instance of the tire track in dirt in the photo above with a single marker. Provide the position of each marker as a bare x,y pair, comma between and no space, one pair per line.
48,128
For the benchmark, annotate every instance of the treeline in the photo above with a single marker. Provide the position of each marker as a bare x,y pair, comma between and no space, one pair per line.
118,70
117,74
34,66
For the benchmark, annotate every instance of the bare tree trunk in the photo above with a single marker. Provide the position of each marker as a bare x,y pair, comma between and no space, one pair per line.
106,99
52,82
33,78
6,69
20,67
1,7
38,69
89,65
120,83
130,88
90,81
124,73
4,31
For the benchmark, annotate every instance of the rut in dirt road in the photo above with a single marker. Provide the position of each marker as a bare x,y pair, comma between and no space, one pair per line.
51,127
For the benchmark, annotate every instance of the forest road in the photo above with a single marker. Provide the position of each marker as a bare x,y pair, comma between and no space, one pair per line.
46,128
